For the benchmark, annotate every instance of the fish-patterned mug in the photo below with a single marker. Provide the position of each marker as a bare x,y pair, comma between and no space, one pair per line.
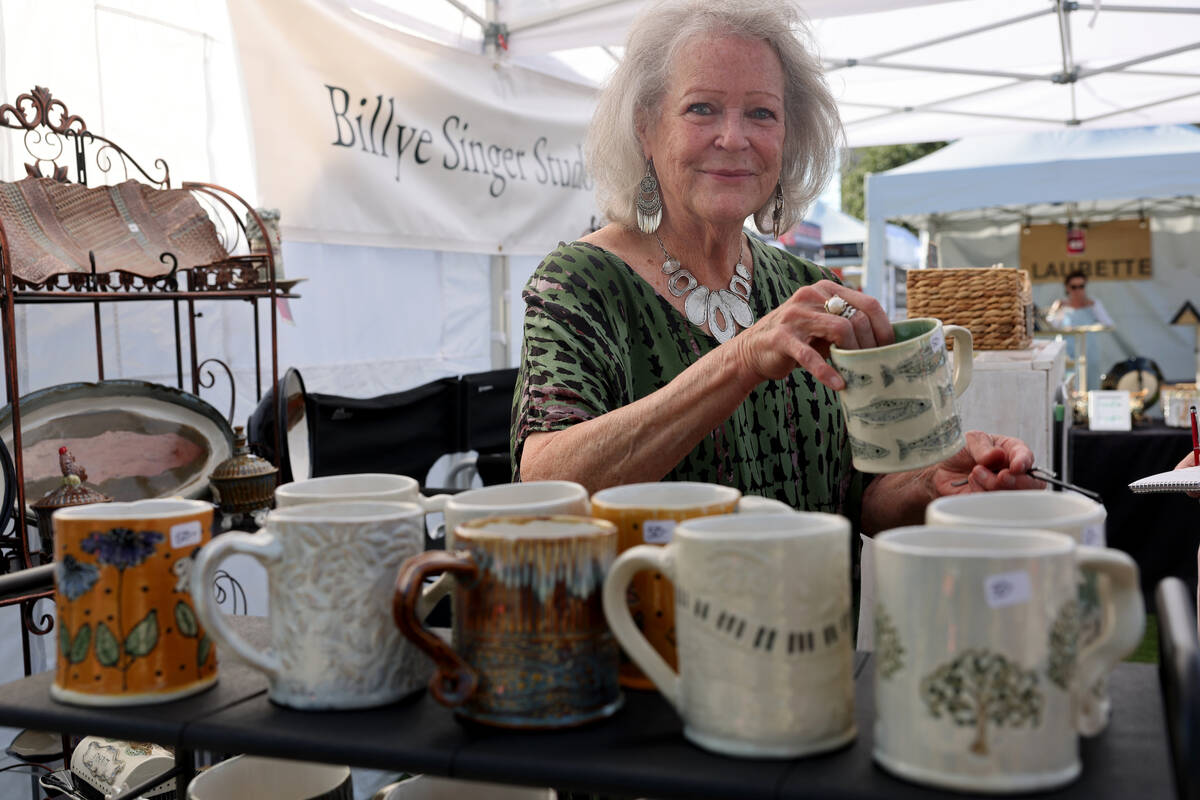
899,399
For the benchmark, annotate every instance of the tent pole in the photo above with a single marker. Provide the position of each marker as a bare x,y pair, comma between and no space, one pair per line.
874,280
500,311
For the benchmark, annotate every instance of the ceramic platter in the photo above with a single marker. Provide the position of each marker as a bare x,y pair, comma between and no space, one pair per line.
137,440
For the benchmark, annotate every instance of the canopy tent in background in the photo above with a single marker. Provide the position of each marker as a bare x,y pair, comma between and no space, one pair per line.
975,195
843,237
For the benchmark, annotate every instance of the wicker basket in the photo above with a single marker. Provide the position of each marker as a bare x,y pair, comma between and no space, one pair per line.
995,304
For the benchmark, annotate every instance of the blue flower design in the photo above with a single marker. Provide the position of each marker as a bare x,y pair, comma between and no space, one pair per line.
75,578
121,547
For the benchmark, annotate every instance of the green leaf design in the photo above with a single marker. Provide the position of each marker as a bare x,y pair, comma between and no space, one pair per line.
185,618
202,650
144,636
79,647
64,641
107,649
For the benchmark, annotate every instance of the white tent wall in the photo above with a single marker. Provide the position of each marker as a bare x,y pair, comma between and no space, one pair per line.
1141,309
162,80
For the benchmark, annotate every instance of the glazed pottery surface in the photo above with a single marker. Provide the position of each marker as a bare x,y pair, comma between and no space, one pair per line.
531,648
978,661
330,569
256,778
514,499
1066,512
372,486
127,631
899,399
647,513
763,624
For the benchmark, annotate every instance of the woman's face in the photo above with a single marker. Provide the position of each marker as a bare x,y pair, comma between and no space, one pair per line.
717,143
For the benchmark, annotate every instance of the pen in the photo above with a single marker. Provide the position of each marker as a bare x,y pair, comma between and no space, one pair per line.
1195,441
1049,477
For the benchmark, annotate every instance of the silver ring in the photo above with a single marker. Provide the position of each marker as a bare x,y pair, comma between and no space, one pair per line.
838,305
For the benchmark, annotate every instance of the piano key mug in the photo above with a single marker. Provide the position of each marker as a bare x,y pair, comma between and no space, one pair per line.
762,618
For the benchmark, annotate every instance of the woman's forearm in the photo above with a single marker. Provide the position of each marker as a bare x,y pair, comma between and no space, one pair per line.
644,440
897,499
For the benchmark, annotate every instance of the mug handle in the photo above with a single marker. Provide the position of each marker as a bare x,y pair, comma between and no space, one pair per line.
1124,617
435,503
267,549
964,356
616,610
454,680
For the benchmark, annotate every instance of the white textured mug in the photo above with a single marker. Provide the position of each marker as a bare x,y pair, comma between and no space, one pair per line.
375,486
1066,512
899,399
330,569
977,660
762,618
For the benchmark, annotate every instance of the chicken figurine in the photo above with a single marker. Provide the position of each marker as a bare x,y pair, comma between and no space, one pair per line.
67,462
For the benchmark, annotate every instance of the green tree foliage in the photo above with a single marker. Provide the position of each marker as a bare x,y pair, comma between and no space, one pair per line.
861,161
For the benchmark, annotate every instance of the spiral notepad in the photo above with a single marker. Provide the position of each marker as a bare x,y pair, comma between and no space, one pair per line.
1177,480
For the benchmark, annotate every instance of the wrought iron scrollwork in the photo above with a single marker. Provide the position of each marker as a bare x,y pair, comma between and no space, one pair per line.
235,593
34,108
208,379
40,626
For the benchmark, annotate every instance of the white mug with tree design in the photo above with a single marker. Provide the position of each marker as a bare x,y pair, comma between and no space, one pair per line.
979,666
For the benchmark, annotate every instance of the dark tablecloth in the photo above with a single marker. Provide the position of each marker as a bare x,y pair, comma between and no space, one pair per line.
1160,531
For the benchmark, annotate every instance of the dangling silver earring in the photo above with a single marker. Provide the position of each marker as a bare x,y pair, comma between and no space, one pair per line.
777,214
649,201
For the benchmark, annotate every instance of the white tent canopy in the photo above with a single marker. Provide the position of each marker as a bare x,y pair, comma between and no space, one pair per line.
919,70
973,197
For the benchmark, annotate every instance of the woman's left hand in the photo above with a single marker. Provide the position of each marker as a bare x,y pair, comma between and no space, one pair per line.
988,462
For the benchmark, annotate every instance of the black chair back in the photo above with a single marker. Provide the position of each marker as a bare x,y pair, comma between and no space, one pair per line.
1179,674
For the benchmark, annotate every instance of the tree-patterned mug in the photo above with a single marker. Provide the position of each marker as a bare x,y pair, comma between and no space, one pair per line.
978,659
127,630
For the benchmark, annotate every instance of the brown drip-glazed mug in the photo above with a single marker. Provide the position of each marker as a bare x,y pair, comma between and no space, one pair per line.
531,646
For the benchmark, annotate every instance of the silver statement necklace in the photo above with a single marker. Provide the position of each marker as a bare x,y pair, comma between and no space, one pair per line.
702,304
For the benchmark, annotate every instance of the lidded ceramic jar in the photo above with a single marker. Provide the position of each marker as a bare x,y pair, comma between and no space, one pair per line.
71,492
243,483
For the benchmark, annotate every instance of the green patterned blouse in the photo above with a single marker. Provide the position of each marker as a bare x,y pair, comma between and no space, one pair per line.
598,337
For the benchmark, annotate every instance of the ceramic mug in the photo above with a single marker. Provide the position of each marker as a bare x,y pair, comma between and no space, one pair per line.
530,647
978,665
899,399
763,626
374,486
330,568
254,778
508,499
514,499
127,631
647,513
1066,512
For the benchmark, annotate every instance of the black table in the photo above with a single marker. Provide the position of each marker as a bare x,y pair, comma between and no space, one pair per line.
1160,531
638,752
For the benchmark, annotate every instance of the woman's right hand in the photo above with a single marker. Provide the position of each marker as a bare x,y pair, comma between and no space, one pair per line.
800,331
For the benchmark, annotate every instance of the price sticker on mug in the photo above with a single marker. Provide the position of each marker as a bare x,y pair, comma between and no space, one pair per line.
186,534
1093,535
1007,589
658,531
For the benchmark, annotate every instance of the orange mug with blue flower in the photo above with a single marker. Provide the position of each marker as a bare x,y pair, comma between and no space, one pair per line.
127,630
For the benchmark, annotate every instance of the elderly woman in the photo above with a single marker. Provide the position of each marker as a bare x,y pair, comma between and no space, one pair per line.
668,345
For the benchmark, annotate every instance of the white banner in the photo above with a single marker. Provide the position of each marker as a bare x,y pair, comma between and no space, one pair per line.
367,136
